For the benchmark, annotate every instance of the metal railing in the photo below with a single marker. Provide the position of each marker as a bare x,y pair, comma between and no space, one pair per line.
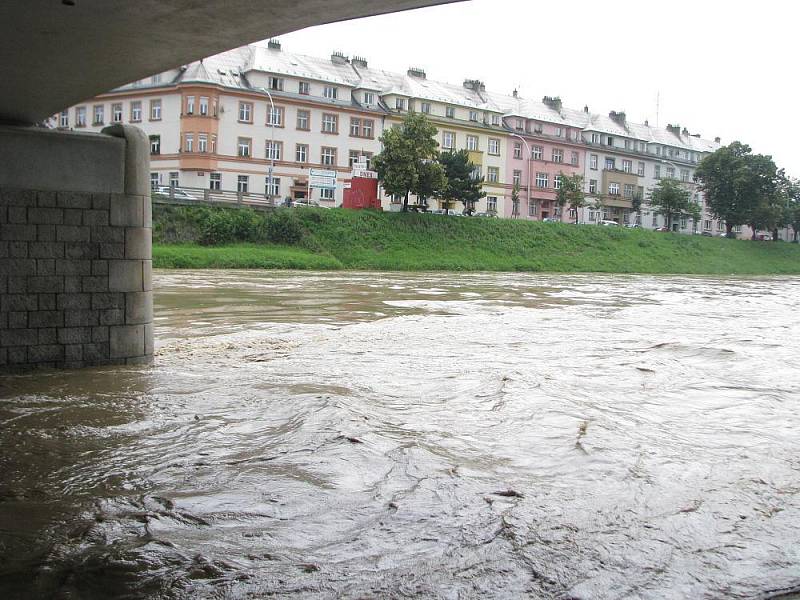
194,195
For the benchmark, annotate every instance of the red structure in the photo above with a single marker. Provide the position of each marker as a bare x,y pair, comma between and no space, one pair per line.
362,193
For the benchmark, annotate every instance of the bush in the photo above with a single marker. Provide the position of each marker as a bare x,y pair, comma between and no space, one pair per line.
284,227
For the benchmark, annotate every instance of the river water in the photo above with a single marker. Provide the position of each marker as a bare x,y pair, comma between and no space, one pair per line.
381,435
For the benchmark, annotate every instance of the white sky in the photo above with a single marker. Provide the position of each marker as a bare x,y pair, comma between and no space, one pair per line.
728,69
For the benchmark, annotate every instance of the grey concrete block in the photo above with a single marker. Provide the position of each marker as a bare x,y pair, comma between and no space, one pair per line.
73,352
50,284
74,200
106,235
148,339
138,243
112,316
17,285
46,318
46,233
37,354
112,250
3,356
17,215
148,213
72,233
127,211
74,301
45,216
81,250
73,284
95,284
99,267
18,233
18,320
3,320
82,318
12,197
125,276
147,275
45,266
48,302
3,249
18,267
137,157
139,360
126,341
19,337
108,300
138,308
75,335
17,356
100,201
75,266
18,249
95,352
73,216
48,336
46,250
95,218
46,199
99,334
11,302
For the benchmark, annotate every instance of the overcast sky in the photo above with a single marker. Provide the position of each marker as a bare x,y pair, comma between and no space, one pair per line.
728,69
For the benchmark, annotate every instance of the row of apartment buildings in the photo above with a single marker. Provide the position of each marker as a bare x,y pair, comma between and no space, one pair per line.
223,122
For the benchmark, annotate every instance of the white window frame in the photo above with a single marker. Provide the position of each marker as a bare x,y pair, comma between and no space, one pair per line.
301,153
330,92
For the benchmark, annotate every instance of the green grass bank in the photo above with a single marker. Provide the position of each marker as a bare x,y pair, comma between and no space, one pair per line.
207,237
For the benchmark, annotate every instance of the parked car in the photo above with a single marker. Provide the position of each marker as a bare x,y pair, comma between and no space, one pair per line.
707,234
663,229
177,193
485,214
606,223
633,225
307,204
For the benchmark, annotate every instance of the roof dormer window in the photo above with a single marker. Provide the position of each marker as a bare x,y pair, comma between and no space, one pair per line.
276,84
330,92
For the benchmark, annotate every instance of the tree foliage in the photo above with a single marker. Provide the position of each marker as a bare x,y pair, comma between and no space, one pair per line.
402,163
462,184
671,200
515,200
570,193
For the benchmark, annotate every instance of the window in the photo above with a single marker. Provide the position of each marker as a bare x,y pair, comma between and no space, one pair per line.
593,161
355,127
301,153
202,142
492,174
276,84
425,107
684,175
494,146
353,157
174,179
80,116
491,204
204,105
136,111
215,181
213,143
400,103
520,125
613,189
155,79
627,166
242,183
595,138
655,220
558,131
246,112
155,180
496,123
593,186
628,190
326,194
517,150
541,180
330,123
473,115
640,167
557,182
670,172
116,113
189,105
330,92
272,188
188,142
707,225
243,146
275,116
609,140
367,127
531,208
657,171
328,156
628,144
538,127
63,119
369,98
303,120
155,144
574,159
214,107
472,142
537,153
155,110
448,140
558,155
303,88
517,178
273,150
98,115
450,112
611,164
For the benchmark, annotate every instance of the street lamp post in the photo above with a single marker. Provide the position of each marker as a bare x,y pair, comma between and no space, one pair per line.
272,143
529,155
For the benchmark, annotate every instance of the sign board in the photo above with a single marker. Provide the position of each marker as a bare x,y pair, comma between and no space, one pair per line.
364,173
346,185
324,179
323,173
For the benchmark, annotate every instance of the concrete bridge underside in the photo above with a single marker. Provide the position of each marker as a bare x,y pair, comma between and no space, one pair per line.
75,230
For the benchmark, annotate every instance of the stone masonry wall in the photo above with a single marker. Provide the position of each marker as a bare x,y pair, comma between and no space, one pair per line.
75,278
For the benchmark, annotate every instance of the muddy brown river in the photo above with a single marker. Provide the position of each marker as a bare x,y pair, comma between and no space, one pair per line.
457,436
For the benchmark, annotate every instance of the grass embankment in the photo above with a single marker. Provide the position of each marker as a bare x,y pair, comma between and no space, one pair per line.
201,237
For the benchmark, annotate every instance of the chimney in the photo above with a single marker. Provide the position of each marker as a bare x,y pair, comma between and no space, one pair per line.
586,108
359,61
685,131
617,117
274,44
716,139
675,129
515,93
474,84
646,123
338,58
554,102
416,72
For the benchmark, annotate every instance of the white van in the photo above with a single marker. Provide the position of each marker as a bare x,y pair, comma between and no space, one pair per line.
609,223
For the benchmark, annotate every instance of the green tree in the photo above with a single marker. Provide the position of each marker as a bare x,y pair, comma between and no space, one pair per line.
432,181
401,164
570,193
462,184
515,201
636,205
671,200
740,187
